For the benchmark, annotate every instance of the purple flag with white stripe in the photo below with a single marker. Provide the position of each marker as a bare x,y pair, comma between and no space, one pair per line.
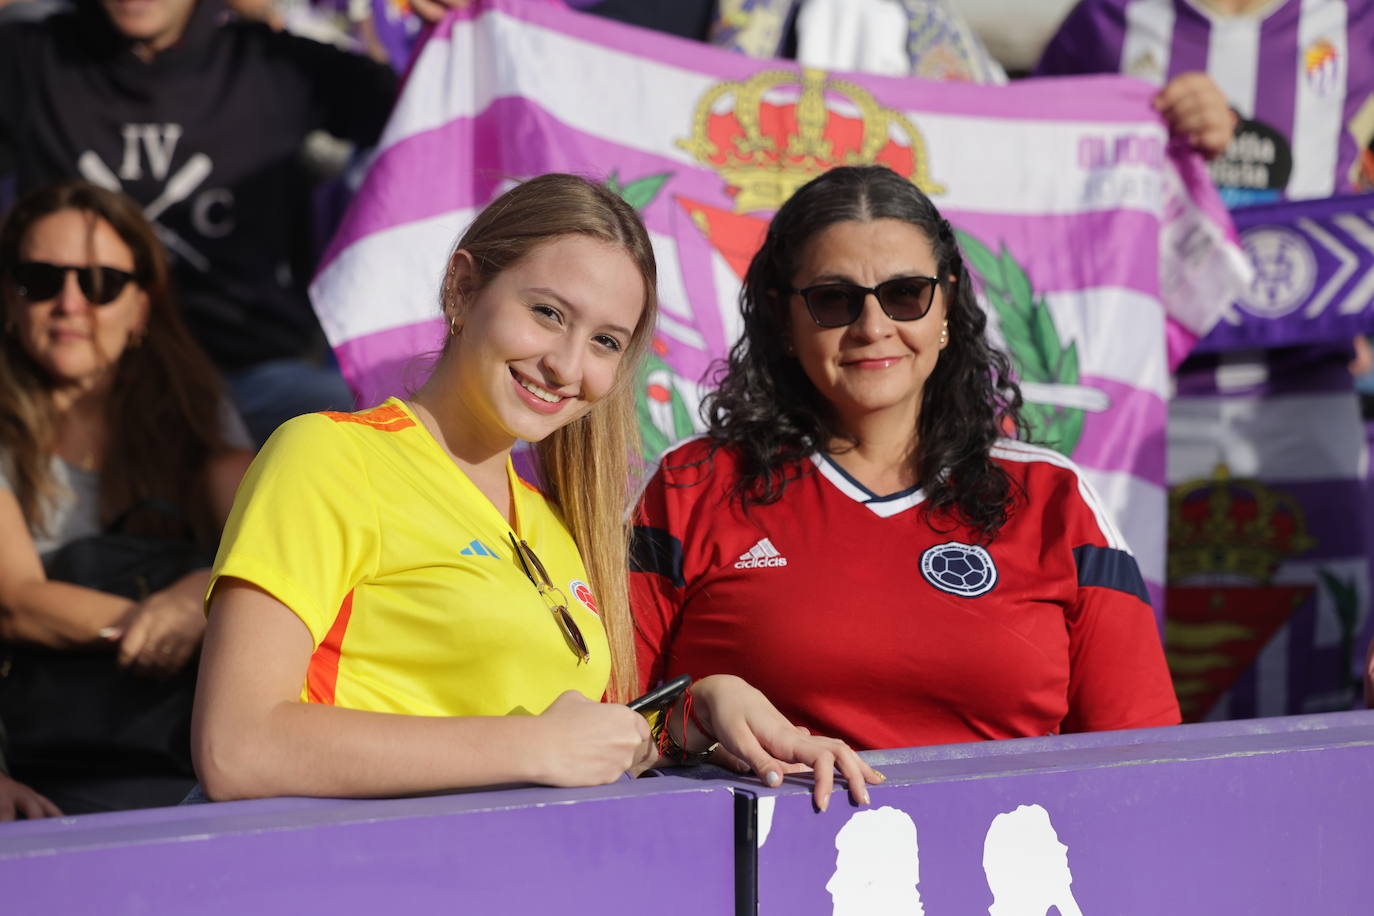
1102,252
1314,276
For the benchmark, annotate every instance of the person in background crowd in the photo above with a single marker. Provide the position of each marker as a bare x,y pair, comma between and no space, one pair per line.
200,116
393,610
855,537
922,38
1298,77
1279,94
106,403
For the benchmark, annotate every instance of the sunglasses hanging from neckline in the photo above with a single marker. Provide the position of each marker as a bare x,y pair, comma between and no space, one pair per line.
553,597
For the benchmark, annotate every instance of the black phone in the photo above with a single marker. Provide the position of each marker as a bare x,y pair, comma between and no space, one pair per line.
662,696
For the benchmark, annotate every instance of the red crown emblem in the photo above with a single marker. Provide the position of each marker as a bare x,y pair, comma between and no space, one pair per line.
771,134
1231,530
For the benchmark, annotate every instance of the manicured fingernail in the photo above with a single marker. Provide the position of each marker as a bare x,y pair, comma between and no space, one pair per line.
824,803
882,777
773,778
864,799
108,632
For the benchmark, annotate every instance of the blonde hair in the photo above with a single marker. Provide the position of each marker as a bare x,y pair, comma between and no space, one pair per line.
585,466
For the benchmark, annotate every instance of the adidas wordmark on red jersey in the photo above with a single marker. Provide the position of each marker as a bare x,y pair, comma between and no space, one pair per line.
761,554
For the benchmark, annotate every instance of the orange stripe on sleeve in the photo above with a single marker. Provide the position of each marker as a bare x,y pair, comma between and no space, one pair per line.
387,418
322,676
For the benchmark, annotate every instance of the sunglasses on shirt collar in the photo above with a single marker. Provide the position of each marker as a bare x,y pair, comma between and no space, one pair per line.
38,281
553,596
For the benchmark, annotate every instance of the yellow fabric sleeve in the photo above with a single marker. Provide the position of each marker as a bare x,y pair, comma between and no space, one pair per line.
304,526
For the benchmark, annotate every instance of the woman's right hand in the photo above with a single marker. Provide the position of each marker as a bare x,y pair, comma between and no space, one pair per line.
164,630
585,743
18,800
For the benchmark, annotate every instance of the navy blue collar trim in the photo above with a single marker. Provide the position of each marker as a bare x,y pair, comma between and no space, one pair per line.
871,496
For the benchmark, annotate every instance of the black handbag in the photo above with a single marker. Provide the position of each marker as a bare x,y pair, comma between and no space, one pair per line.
82,730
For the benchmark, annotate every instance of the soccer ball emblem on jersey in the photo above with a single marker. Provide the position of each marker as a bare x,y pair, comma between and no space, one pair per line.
965,570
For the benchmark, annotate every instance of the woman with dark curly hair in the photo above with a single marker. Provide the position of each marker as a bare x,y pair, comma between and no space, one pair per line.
857,537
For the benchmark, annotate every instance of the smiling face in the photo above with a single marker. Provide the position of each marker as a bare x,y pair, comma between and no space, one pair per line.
78,344
543,340
875,366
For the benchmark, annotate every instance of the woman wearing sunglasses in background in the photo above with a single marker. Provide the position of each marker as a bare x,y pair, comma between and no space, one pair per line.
394,610
107,407
855,537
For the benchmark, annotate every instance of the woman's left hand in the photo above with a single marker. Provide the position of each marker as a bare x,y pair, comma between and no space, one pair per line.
751,729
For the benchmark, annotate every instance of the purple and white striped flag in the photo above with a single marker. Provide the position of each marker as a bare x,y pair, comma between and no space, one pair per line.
1102,252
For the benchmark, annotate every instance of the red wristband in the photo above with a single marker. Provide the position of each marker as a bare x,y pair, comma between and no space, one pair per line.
691,713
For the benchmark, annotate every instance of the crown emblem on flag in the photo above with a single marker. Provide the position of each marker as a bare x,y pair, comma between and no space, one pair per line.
771,134
1223,528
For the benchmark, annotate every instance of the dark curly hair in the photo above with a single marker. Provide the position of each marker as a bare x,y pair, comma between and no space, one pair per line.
767,410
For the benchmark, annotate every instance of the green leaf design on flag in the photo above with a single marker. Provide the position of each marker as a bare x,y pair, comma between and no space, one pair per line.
640,192
1031,337
671,421
1345,598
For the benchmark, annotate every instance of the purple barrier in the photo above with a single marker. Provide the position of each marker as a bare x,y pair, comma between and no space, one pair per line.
1266,816
615,849
1256,817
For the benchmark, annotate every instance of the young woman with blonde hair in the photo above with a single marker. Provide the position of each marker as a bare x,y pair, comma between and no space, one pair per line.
394,610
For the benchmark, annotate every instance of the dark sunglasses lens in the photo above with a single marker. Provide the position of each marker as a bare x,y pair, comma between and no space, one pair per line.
38,282
833,306
102,284
540,572
571,632
908,298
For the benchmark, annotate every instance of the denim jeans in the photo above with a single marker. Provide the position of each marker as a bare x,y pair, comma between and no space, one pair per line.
268,394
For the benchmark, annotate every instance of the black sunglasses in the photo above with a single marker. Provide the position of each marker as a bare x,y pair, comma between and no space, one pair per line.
553,597
39,282
834,305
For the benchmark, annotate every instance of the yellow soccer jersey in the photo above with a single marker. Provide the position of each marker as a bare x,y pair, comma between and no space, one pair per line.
404,574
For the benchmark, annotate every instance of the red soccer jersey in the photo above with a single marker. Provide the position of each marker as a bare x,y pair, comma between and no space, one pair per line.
870,619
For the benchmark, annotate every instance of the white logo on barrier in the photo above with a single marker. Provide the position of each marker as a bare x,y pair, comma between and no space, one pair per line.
961,569
1285,271
877,866
1027,866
